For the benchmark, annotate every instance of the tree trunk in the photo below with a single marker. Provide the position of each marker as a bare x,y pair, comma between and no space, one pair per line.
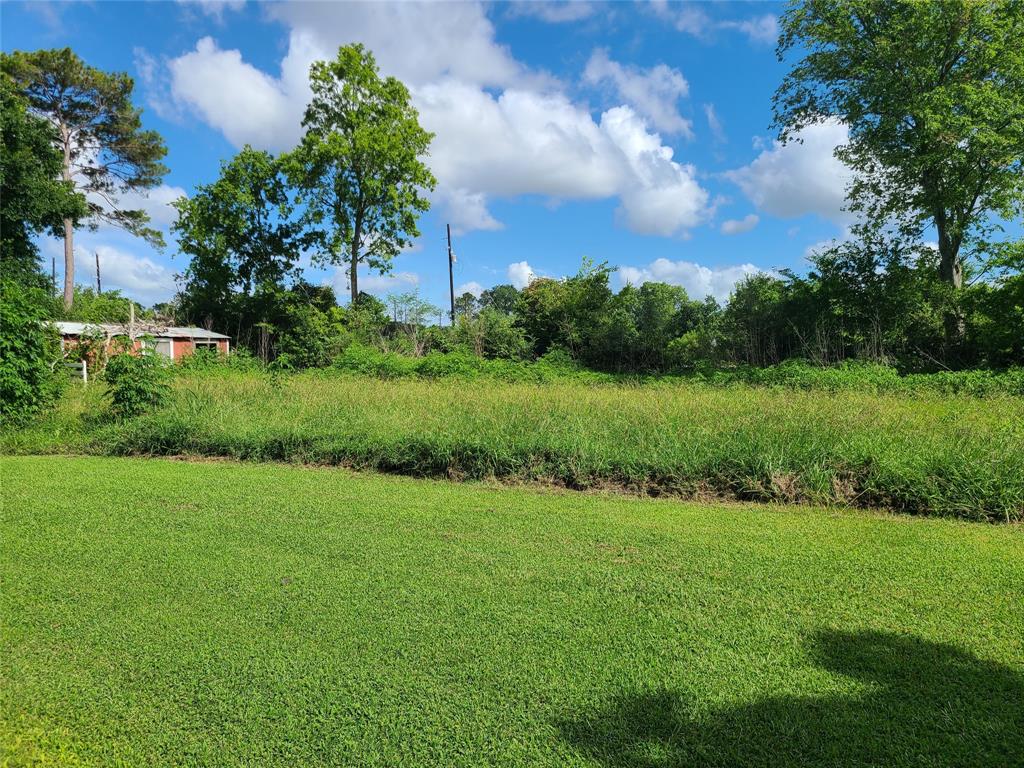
353,279
354,259
951,270
69,228
69,263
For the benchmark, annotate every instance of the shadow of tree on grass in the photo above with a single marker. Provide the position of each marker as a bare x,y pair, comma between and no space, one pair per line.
928,704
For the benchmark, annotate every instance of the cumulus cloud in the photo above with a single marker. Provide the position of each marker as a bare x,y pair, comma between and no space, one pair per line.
247,105
653,92
472,287
699,281
738,226
501,130
790,180
416,42
520,274
466,211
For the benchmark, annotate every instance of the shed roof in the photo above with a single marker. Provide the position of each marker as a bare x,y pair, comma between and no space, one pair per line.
141,329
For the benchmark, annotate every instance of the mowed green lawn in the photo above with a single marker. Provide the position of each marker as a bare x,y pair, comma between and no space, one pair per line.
160,612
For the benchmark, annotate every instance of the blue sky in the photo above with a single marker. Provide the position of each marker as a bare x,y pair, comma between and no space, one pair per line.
637,134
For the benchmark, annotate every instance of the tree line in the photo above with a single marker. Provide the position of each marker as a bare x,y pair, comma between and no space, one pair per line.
929,278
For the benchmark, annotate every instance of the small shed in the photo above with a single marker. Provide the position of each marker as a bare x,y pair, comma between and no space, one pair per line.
174,342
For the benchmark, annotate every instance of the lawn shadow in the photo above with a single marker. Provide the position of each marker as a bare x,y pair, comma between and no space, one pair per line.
927,704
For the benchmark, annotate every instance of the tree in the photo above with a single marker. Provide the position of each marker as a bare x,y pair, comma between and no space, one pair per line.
410,317
502,298
466,304
104,150
33,200
360,163
242,236
933,94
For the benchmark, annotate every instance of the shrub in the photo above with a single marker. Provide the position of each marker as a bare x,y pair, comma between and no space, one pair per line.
461,364
211,361
29,353
358,358
136,382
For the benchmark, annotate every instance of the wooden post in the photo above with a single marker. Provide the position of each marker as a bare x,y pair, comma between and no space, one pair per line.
451,274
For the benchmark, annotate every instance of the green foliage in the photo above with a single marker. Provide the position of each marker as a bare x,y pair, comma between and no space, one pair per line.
29,353
933,94
105,151
136,382
308,338
32,199
243,238
360,165
106,307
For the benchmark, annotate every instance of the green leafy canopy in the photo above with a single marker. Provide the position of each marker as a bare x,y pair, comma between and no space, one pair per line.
360,165
933,95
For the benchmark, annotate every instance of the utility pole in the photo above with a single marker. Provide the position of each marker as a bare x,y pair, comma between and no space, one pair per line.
99,286
53,274
451,274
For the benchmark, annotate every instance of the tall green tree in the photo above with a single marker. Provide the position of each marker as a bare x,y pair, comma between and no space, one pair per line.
242,235
33,199
104,150
361,163
933,94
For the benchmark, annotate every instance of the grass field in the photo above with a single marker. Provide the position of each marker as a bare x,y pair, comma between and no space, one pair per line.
950,455
161,612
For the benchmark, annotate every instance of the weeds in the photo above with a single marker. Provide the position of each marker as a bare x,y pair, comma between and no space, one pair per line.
949,455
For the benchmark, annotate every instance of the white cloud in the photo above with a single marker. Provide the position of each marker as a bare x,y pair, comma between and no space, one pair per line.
371,282
692,19
466,211
653,92
699,281
414,41
739,226
156,202
138,277
247,105
661,197
215,8
525,137
715,124
799,178
760,29
471,287
553,12
520,274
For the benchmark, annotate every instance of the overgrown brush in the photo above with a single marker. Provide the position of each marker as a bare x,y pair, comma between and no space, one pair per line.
949,455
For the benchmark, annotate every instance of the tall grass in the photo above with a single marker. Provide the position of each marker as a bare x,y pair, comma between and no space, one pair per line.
944,455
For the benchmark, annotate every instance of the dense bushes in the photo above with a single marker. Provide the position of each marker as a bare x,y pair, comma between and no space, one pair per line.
135,382
29,353
559,365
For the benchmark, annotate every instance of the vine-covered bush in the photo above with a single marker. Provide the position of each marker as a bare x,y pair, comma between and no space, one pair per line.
29,353
136,382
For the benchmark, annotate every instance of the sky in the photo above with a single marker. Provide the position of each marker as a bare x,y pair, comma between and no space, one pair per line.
637,134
